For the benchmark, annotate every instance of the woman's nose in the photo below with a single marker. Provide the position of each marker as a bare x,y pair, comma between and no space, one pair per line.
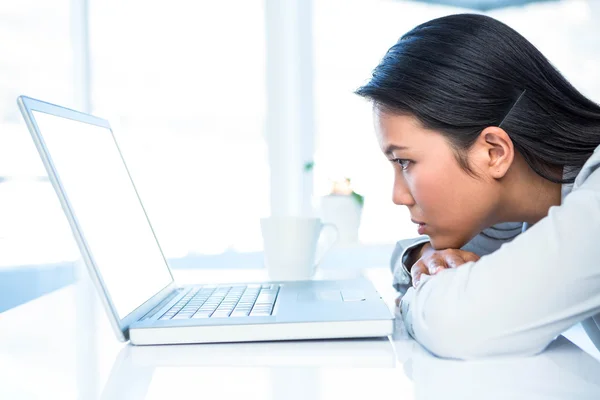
401,195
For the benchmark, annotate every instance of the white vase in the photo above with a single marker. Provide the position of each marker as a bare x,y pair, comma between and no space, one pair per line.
344,211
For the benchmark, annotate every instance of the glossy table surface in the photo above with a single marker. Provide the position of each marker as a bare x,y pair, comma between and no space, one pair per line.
61,346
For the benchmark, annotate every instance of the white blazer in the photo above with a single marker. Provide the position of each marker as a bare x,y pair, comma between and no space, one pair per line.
530,285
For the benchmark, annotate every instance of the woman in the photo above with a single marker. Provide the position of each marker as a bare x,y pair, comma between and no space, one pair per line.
496,156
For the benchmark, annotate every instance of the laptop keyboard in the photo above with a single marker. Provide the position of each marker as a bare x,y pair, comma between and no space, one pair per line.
225,302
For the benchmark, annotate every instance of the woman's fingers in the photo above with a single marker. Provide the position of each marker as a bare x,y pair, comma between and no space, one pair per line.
468,256
427,266
434,263
418,269
454,260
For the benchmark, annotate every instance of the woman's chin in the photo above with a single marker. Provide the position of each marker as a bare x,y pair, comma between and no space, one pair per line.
441,242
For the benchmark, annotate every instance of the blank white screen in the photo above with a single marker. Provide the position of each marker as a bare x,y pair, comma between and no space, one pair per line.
105,204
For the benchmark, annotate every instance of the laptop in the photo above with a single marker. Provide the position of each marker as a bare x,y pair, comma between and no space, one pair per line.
125,261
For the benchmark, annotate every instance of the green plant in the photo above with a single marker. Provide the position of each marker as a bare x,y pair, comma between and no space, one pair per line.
360,199
346,183
308,166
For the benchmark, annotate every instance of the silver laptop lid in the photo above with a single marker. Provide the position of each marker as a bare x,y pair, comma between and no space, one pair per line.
110,225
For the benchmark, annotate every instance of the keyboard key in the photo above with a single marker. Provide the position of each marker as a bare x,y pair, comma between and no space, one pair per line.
263,305
260,314
220,315
239,314
265,300
182,316
260,310
201,314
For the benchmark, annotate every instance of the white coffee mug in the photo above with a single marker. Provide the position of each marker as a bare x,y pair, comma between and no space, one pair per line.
290,246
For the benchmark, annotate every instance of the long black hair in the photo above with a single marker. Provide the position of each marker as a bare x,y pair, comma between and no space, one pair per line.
462,73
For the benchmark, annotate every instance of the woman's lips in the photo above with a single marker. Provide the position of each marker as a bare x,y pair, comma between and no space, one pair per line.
422,226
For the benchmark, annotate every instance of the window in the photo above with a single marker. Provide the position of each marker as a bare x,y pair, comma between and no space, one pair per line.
566,32
36,61
183,85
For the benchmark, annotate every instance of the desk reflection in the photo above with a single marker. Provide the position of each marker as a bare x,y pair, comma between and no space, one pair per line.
268,370
349,369
562,371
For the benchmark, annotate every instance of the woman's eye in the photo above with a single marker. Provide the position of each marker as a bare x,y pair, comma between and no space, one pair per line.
401,162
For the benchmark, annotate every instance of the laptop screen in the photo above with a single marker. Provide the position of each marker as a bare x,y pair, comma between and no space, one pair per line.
109,213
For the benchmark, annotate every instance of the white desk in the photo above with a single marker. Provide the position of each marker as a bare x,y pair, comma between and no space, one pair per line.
58,348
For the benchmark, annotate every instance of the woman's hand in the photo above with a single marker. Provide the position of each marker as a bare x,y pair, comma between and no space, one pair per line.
433,261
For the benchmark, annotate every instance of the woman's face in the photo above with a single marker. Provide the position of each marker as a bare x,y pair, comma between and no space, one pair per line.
449,205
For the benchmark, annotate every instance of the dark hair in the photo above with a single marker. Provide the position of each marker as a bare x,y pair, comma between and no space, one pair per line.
462,73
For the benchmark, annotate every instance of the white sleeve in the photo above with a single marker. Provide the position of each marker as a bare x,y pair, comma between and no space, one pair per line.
516,300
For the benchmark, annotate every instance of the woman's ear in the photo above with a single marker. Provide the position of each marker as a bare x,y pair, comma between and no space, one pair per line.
498,151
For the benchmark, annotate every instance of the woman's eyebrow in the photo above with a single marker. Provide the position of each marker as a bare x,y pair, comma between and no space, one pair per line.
392,147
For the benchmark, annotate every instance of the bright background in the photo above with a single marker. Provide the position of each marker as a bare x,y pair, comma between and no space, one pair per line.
185,85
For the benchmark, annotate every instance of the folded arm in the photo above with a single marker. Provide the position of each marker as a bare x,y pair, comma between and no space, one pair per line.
516,300
486,242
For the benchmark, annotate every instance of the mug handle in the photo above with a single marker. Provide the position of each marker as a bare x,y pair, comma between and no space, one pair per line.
326,249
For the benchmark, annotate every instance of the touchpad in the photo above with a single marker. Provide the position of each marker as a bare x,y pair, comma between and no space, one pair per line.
353,295
332,295
320,295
